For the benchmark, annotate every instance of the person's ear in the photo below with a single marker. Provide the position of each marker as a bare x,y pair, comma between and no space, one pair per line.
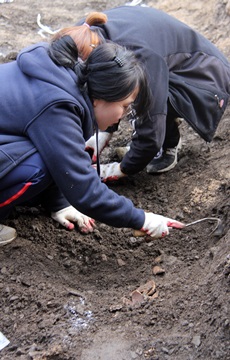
94,102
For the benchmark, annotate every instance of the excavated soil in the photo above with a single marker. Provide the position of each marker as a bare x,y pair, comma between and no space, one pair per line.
68,296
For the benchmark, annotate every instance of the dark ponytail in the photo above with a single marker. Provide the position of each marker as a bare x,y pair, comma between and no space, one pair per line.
64,52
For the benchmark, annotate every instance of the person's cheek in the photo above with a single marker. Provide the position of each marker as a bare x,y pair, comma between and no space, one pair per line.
108,119
117,115
103,122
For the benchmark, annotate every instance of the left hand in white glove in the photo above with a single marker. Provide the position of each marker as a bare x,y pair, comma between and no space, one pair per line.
111,172
85,223
103,140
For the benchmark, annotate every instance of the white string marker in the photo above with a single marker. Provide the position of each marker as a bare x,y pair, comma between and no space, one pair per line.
3,341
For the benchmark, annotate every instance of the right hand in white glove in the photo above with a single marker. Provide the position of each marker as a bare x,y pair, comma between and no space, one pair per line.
110,172
85,223
91,144
157,226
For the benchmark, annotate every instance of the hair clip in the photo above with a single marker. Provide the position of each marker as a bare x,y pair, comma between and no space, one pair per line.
92,45
118,61
85,23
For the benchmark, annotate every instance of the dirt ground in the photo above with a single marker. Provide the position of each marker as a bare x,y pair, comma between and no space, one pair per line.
67,296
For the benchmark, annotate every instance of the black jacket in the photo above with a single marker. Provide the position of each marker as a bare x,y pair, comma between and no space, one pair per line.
182,66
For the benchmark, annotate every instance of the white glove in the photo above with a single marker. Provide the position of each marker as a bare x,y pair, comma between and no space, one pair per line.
110,172
157,226
85,223
103,140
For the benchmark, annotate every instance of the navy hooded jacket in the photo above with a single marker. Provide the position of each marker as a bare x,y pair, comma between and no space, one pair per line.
182,67
42,110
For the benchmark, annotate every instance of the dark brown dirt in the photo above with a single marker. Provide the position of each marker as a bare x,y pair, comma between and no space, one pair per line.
62,293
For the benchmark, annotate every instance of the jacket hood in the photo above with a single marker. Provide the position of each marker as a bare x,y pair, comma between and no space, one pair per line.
35,62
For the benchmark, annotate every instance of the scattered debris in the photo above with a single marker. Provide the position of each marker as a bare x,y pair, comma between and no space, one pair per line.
148,288
137,297
76,293
44,29
79,317
134,3
158,270
3,341
5,1
143,293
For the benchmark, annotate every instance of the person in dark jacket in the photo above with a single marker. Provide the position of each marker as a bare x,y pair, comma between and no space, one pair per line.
188,76
50,103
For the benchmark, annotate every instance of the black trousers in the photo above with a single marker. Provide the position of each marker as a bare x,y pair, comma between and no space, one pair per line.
172,135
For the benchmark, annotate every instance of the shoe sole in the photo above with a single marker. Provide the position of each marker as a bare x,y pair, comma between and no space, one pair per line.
5,242
179,145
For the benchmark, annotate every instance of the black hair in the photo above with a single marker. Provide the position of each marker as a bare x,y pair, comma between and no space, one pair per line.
63,51
114,73
110,73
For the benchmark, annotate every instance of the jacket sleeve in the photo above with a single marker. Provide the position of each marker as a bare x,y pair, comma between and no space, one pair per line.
58,136
147,140
149,134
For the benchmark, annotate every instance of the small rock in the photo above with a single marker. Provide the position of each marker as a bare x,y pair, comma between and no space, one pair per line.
184,323
196,340
139,351
158,270
137,297
26,282
121,262
104,257
148,288
80,309
3,270
158,259
116,307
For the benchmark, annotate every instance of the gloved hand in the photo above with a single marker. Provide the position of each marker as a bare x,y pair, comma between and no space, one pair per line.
157,226
103,140
85,223
110,172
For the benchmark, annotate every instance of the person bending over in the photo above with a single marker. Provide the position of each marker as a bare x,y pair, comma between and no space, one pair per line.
51,102
188,78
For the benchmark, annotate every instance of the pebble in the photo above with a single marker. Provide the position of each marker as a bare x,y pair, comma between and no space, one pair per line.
196,340
133,355
165,350
158,270
3,270
121,262
104,257
139,351
184,323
